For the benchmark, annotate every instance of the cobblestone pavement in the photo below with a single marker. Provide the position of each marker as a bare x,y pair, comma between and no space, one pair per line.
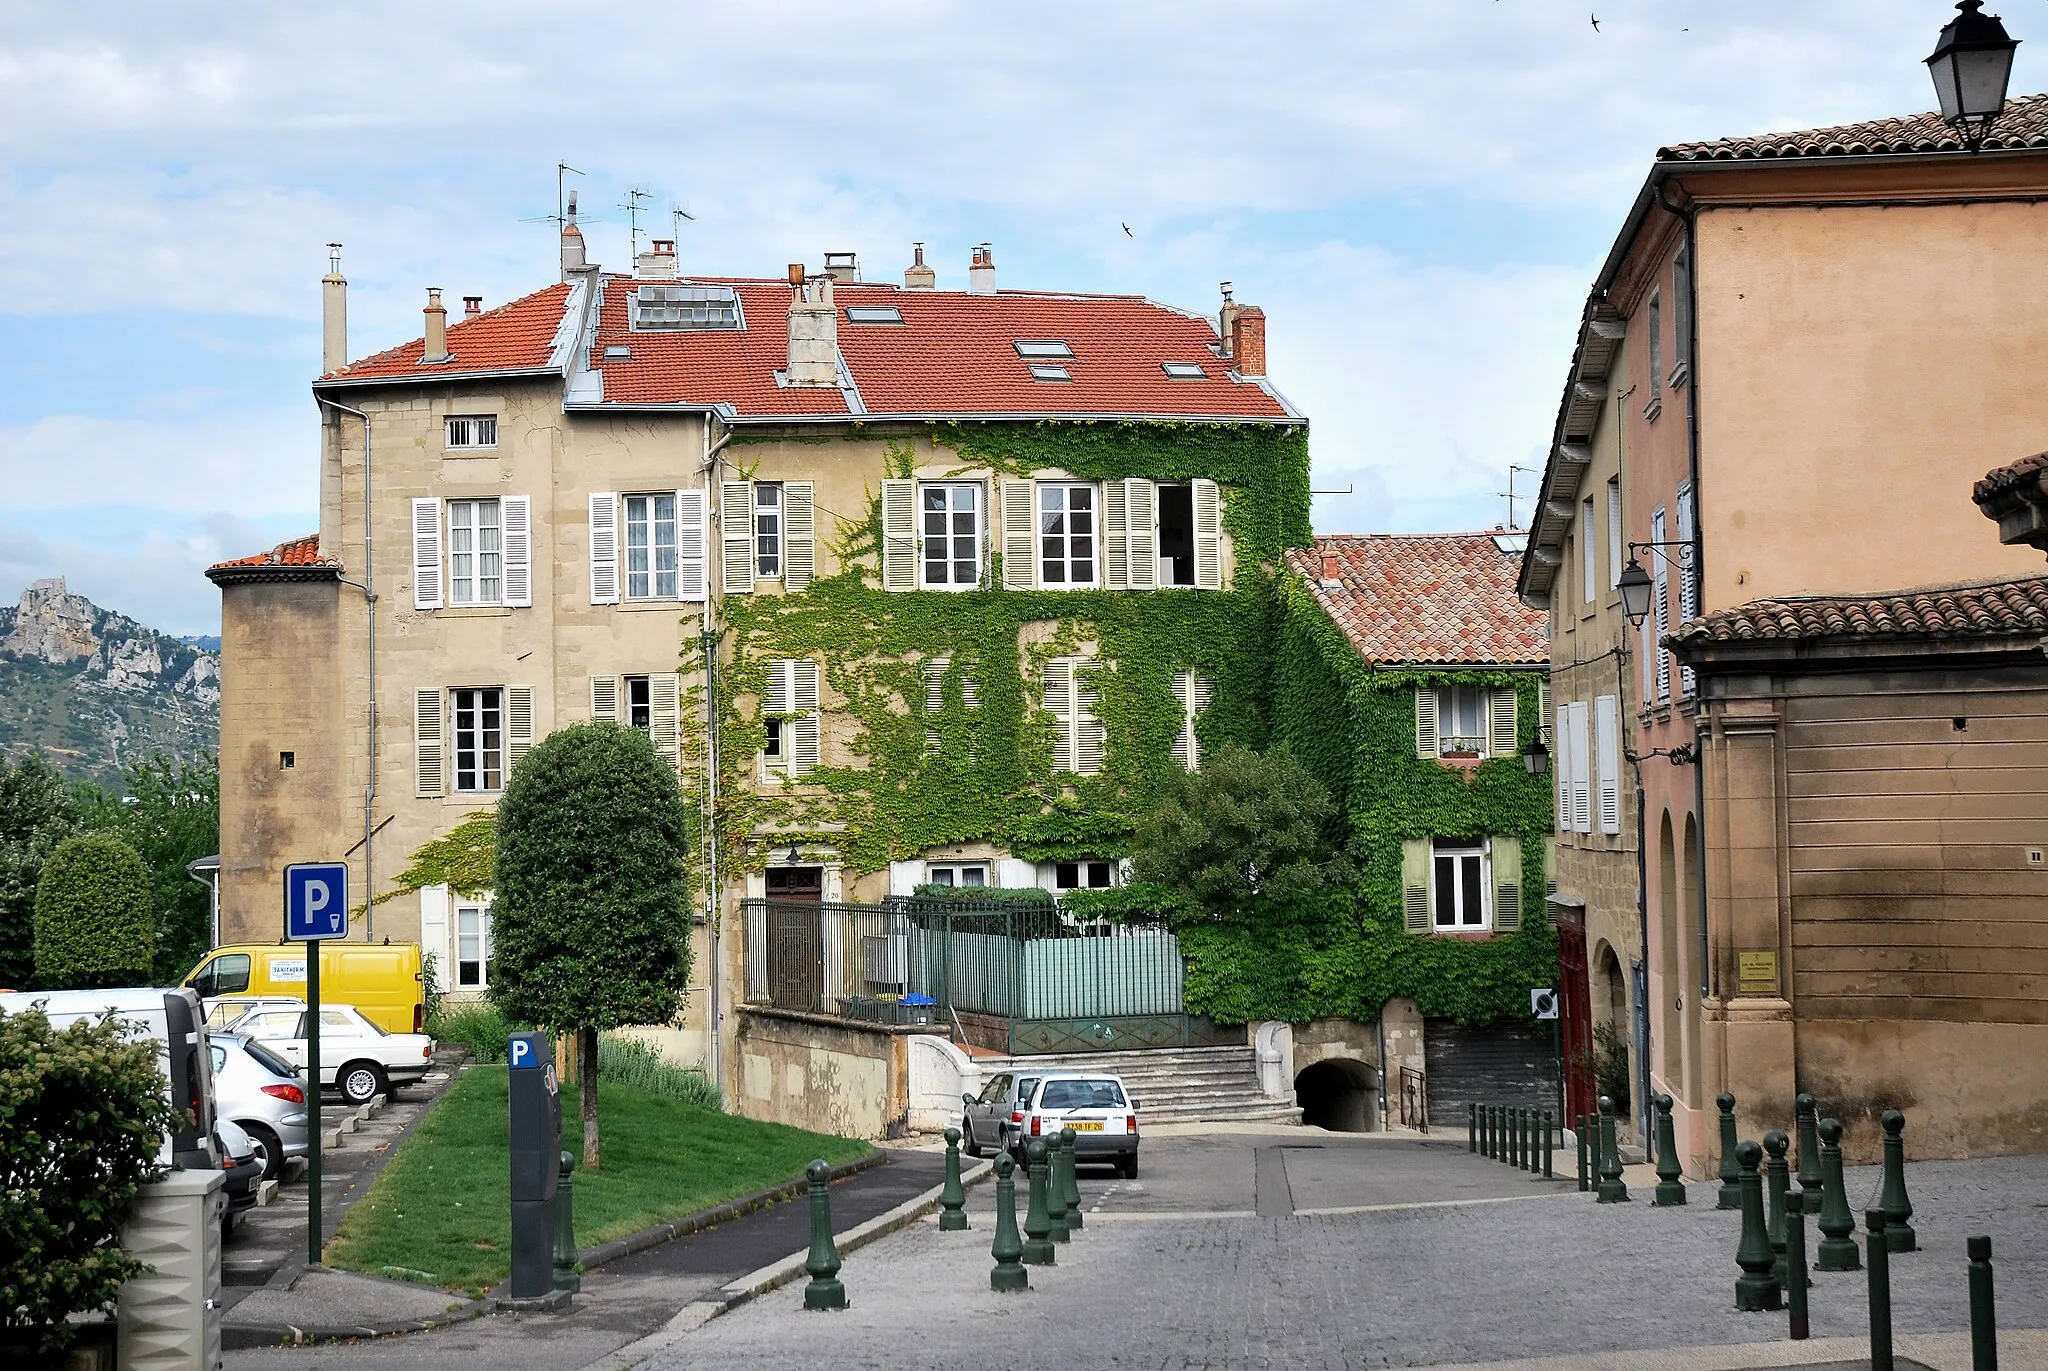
1542,1275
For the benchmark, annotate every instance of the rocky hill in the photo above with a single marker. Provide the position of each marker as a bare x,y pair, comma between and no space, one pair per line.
95,690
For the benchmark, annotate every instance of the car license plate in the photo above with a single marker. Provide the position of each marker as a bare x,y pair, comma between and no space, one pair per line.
1085,1125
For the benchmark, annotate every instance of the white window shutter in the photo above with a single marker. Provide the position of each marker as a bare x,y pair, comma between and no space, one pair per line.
430,751
1090,738
1142,499
1542,701
1501,718
1607,758
799,535
804,744
426,554
604,547
899,534
1415,885
518,723
604,699
1208,535
1561,766
1507,884
664,716
781,687
1183,741
804,688
1425,723
1059,702
434,932
1116,537
1020,541
1582,769
1660,590
517,515
691,558
1688,585
736,535
934,697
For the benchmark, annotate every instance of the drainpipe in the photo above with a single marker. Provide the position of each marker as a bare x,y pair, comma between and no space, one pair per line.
366,585
708,641
206,871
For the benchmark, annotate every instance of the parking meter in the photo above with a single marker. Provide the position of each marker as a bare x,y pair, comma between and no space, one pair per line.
536,1140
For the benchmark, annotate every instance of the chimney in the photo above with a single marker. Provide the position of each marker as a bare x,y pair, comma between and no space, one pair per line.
843,267
472,305
1332,575
657,264
437,327
981,277
918,276
1226,318
813,331
572,241
1248,340
333,314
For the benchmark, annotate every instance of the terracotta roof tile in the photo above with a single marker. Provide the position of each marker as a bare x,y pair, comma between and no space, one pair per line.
516,336
1978,609
1428,597
2005,478
2023,125
298,559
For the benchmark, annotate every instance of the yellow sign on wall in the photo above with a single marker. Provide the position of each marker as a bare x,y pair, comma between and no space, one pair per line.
1756,973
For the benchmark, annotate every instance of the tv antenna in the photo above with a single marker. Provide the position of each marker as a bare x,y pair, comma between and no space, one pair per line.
1509,493
676,215
631,205
562,203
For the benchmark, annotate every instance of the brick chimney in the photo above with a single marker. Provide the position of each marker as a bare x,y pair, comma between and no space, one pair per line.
472,305
437,327
813,331
1248,340
333,314
572,241
918,276
1333,575
981,276
658,263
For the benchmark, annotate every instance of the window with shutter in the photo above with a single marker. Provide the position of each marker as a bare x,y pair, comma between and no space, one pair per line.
1116,536
434,934
1059,702
429,744
1607,758
1090,738
1457,885
518,724
1561,766
518,516
1208,535
1616,544
1506,853
1425,723
604,548
1415,884
604,698
799,534
1589,556
691,552
1141,500
664,716
1582,768
1192,691
1543,704
806,745
1688,584
934,698
1019,559
736,536
426,554
899,534
1660,604
476,552
1501,718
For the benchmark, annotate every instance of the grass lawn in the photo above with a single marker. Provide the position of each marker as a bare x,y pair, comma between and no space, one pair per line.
443,1204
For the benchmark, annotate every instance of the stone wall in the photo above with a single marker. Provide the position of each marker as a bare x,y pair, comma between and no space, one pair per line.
825,1074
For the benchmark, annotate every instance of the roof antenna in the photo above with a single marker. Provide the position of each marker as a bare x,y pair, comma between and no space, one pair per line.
1509,495
560,168
632,208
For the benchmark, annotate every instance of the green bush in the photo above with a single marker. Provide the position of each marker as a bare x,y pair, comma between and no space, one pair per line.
36,813
95,916
628,1061
482,1028
82,1118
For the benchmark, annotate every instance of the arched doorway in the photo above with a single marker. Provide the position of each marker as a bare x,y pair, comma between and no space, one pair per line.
1338,1094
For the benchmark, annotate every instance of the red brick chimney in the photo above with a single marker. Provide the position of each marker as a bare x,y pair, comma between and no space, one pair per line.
472,305
1332,574
1248,340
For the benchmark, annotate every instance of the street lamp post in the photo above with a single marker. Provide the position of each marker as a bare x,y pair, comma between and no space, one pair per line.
1971,66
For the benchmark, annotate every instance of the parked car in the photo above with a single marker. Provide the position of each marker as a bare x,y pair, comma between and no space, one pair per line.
172,1018
244,1171
997,1112
383,980
357,1057
263,1094
1101,1112
225,1010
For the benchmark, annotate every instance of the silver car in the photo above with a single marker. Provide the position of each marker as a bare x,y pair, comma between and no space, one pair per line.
262,1093
991,1119
1101,1112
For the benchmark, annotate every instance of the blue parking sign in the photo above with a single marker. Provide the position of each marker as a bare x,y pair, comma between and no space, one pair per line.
315,901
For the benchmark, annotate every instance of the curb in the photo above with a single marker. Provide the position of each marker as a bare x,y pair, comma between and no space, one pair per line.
244,1337
720,1213
778,1274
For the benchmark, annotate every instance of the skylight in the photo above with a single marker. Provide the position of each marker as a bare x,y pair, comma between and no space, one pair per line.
1049,371
873,314
1042,347
1511,542
1184,371
617,350
672,308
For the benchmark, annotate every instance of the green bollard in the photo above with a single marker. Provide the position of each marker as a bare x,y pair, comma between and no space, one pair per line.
566,1276
1880,1292
1612,1191
1799,1279
1807,1117
1472,1128
1009,1272
1549,1137
1838,1250
1755,1289
1731,1174
1775,1184
1073,1182
1670,1187
1898,1210
1579,1136
1983,1314
1056,1191
825,1290
1038,1250
952,1198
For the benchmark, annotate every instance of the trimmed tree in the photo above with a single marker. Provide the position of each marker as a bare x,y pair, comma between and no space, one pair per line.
36,813
590,905
169,812
85,1116
95,916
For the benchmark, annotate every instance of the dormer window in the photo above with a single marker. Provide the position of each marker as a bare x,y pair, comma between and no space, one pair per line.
1042,347
677,308
1049,371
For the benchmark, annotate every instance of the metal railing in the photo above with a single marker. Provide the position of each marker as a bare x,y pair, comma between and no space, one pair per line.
1414,1099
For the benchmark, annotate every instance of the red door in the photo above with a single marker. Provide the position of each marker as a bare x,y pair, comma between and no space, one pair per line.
1575,1013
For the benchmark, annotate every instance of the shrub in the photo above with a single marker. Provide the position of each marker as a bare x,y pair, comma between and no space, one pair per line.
82,1117
36,813
1610,1065
95,916
628,1061
482,1028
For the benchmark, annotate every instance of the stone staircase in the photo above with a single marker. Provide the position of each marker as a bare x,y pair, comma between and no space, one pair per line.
1172,1084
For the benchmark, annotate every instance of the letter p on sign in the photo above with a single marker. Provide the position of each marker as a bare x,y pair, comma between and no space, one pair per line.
315,901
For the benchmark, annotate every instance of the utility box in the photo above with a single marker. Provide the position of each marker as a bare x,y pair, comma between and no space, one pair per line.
169,1318
536,1143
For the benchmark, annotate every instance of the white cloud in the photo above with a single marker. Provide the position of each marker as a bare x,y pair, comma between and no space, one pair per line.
159,579
264,463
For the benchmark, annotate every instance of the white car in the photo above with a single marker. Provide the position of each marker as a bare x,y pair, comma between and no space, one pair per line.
357,1057
1101,1112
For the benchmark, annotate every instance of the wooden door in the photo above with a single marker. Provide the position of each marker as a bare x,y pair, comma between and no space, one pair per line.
1575,1012
796,943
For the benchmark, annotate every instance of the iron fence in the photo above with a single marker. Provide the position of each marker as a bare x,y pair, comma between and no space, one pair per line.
1414,1100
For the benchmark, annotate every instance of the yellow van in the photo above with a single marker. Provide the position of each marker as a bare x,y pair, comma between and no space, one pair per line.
381,979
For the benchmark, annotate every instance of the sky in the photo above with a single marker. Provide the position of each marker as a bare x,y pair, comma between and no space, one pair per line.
1417,195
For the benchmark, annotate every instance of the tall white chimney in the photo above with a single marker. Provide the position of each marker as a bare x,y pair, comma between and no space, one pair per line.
981,277
918,276
437,327
572,240
333,314
813,331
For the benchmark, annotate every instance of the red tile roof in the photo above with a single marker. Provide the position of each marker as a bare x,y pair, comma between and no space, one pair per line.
2023,125
1426,597
287,561
1996,483
517,336
1976,609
